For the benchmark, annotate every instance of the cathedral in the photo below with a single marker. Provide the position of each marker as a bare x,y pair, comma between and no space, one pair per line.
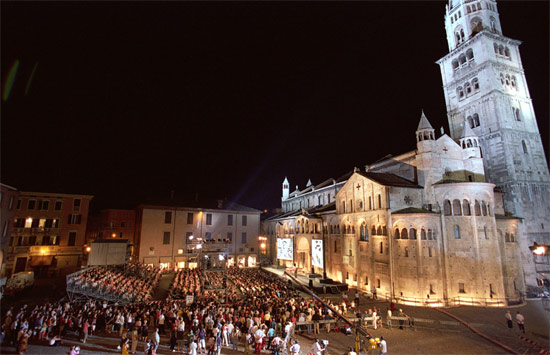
451,221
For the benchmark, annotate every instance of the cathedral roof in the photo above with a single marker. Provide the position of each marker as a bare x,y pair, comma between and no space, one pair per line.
388,179
424,123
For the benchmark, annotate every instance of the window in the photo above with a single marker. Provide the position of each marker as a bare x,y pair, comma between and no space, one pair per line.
74,219
381,247
457,232
406,252
72,239
477,208
461,287
209,219
230,220
468,88
466,208
190,216
404,233
58,205
460,92
366,280
379,201
430,252
229,236
168,217
412,233
5,229
32,240
475,84
18,205
35,222
31,204
245,221
76,204
343,206
10,204
475,121
370,203
43,205
457,210
396,233
423,234
55,223
243,238
166,238
377,283
484,208
46,240
524,146
486,232
447,207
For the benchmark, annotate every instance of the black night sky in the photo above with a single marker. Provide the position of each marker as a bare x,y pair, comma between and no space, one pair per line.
133,99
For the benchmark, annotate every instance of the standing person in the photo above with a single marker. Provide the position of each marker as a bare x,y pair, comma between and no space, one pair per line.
173,338
295,348
383,346
85,329
508,317
401,322
156,340
357,298
125,347
521,322
316,318
374,319
193,348
316,348
22,346
134,340
345,297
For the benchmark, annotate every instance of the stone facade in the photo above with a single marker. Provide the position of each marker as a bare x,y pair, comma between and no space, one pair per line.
8,201
486,91
421,228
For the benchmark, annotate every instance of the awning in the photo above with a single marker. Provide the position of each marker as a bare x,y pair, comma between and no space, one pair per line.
44,260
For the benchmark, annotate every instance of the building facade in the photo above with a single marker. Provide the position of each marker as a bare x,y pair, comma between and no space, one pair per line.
48,233
197,233
423,228
112,224
8,200
486,90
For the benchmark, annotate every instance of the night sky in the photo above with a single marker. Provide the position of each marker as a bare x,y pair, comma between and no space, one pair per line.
132,100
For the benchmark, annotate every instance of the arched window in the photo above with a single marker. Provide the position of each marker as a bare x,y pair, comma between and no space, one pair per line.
412,233
466,208
517,114
477,208
379,201
352,229
493,24
430,234
455,64
460,92
479,6
404,233
484,208
506,52
489,212
462,59
496,47
507,237
470,122
476,120
379,231
457,231
524,146
360,205
469,143
469,54
423,234
507,80
477,25
447,207
468,88
373,230
363,232
502,78
475,84
396,234
501,49
513,82
384,230
457,210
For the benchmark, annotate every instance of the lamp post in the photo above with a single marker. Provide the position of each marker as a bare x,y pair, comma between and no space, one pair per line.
541,254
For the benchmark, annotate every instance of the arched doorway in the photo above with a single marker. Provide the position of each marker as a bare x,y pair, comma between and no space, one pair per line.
303,254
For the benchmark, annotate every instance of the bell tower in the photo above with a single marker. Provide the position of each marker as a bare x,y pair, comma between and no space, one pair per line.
486,93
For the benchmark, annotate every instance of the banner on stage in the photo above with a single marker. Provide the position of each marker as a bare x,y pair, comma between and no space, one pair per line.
285,249
317,252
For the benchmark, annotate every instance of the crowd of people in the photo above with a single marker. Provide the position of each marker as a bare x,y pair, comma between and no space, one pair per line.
136,284
253,310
